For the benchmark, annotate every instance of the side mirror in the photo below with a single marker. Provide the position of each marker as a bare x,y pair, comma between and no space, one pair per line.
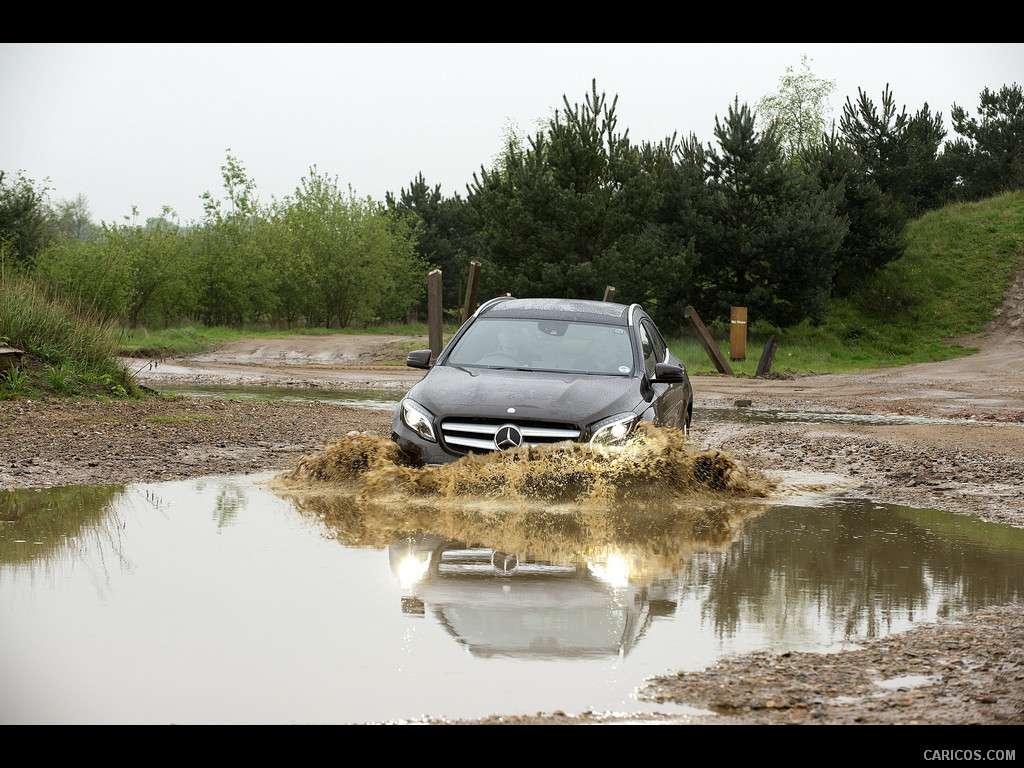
418,359
666,372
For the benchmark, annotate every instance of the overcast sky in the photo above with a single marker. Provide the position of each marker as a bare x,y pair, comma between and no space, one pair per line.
149,125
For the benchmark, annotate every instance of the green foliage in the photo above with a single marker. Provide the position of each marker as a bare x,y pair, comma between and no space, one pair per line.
551,216
362,259
128,272
874,234
445,238
73,220
746,221
25,221
319,257
748,227
899,151
799,110
989,155
957,265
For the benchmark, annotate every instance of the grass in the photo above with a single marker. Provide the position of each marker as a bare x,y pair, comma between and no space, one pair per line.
954,273
68,350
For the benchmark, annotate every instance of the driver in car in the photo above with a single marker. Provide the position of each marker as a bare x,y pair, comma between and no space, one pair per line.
515,344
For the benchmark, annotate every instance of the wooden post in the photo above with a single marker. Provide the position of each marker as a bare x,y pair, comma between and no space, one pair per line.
434,324
609,293
706,341
738,334
764,367
472,287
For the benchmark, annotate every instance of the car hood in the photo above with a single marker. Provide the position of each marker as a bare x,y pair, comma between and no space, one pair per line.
541,396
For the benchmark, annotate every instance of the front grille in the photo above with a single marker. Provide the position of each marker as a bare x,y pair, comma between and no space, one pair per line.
478,434
480,561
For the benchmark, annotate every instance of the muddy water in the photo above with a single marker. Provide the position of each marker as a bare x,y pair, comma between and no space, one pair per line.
357,589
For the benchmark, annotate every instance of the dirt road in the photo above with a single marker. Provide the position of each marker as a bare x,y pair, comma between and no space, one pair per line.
344,361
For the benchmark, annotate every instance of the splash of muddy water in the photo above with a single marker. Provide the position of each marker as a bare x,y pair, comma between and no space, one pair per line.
658,497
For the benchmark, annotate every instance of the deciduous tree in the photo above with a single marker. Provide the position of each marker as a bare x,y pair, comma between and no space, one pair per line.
800,110
26,220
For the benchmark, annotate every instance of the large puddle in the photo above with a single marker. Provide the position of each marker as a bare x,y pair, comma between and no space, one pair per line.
360,590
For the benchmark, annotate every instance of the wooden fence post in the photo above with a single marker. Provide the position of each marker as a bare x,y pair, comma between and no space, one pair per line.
434,324
706,341
609,293
472,287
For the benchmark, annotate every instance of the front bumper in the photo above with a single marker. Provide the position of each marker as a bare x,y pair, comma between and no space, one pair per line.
419,450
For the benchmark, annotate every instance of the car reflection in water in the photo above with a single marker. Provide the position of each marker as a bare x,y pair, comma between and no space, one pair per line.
499,604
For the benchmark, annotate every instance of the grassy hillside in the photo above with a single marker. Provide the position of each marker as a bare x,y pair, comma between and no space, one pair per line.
956,269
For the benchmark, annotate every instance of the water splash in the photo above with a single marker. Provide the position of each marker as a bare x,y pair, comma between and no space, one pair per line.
655,498
659,464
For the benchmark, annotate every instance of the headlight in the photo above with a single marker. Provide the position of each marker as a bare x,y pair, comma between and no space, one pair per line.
614,430
418,419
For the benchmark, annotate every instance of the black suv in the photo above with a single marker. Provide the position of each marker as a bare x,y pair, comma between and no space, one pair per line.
542,371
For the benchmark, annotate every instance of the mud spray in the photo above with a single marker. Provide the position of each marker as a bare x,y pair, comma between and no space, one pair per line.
656,497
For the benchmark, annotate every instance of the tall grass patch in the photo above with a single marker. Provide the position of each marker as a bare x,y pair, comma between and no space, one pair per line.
69,349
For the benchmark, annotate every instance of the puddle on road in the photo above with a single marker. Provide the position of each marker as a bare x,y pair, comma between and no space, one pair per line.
359,590
750,415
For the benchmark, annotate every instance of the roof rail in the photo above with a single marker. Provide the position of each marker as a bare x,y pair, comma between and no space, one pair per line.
491,302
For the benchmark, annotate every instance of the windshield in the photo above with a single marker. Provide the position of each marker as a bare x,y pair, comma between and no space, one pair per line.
545,345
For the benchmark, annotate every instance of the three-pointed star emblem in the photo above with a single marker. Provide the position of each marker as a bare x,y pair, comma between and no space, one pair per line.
508,436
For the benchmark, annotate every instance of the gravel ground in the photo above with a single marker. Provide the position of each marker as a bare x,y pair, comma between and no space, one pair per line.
51,442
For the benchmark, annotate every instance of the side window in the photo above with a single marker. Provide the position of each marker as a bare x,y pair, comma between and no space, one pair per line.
654,347
650,353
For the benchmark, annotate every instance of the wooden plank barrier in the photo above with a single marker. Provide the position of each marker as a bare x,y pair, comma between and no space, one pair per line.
706,341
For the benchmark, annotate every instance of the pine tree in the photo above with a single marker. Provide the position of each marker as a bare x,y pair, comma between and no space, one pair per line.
989,155
553,214
899,151
874,236
445,238
771,235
